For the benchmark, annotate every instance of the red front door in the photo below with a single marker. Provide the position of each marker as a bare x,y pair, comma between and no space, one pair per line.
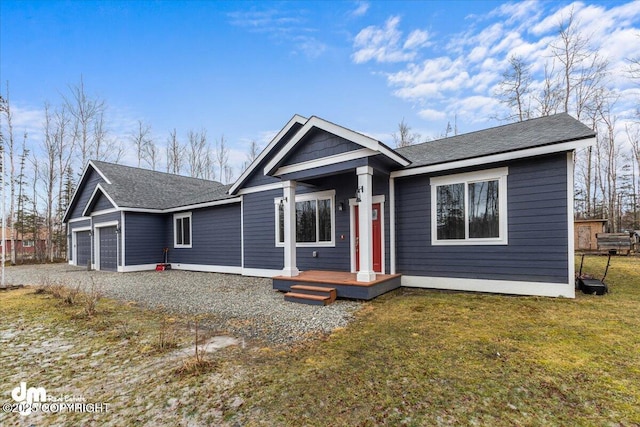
377,238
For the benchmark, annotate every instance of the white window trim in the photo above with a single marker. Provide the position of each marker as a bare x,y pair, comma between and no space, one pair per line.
320,195
499,174
175,230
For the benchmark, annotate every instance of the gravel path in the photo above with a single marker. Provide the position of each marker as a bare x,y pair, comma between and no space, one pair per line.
243,306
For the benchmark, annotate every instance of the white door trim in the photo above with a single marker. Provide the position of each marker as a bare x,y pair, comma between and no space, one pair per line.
352,231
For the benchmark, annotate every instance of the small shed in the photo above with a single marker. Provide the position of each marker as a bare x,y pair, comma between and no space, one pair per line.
585,232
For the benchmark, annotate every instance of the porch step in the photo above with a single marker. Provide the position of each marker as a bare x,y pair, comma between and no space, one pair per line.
315,295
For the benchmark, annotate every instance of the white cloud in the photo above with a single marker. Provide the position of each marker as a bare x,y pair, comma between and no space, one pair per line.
432,115
384,44
362,8
416,39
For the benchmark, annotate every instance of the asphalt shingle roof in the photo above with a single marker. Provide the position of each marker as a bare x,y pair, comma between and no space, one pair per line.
142,188
502,139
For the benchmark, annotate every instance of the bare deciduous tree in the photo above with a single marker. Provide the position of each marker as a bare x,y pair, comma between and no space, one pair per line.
141,137
175,151
85,111
9,145
198,155
514,89
404,137
222,157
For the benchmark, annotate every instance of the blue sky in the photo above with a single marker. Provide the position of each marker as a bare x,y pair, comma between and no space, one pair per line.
242,69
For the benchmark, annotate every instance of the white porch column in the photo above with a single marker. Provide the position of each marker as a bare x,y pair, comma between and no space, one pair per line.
289,199
365,185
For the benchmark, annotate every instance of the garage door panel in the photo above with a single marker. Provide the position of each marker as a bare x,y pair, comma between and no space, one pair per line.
108,249
83,247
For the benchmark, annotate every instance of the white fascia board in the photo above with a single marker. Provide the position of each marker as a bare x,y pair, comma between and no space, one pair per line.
260,188
348,134
326,161
495,158
84,172
204,205
93,195
99,172
82,218
184,208
105,224
295,119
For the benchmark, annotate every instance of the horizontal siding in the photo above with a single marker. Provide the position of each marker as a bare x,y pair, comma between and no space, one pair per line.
216,237
318,144
82,197
146,236
338,257
102,203
260,250
79,224
537,220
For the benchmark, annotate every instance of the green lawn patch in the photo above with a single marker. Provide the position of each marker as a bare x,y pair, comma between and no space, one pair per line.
419,357
411,357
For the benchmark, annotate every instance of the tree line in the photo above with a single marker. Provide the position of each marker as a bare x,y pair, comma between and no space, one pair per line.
41,171
577,79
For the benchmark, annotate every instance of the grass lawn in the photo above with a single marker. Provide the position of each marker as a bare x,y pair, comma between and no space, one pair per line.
412,357
419,357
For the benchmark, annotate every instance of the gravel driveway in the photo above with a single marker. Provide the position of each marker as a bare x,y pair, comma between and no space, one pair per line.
243,306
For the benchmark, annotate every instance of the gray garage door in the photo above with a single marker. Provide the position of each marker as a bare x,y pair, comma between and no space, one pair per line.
108,249
83,248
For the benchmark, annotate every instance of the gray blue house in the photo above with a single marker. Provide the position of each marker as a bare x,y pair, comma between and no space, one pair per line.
487,211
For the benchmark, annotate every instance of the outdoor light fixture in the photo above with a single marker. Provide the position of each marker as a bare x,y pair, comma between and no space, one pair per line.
359,191
282,201
341,206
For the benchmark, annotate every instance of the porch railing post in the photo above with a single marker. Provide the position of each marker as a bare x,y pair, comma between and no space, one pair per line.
289,204
365,216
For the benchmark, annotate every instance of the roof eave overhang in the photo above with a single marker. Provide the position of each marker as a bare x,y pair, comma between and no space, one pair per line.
568,145
375,147
243,177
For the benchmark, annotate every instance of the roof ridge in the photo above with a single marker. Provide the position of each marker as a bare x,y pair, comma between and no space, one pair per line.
487,129
211,181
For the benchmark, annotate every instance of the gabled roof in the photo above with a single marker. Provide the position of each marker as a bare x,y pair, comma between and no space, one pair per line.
133,188
146,189
314,122
539,132
296,121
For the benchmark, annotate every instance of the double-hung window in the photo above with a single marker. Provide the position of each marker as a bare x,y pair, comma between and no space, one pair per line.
315,219
182,230
470,208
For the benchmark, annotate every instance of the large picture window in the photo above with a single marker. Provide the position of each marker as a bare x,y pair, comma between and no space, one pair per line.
469,208
182,230
315,219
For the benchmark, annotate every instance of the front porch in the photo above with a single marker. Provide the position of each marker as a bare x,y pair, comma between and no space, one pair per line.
345,284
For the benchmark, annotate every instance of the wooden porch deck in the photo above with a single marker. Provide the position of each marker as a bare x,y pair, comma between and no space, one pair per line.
344,283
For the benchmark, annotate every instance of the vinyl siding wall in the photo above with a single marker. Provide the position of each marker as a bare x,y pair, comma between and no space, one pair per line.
146,236
260,250
537,227
318,144
91,180
215,237
102,203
